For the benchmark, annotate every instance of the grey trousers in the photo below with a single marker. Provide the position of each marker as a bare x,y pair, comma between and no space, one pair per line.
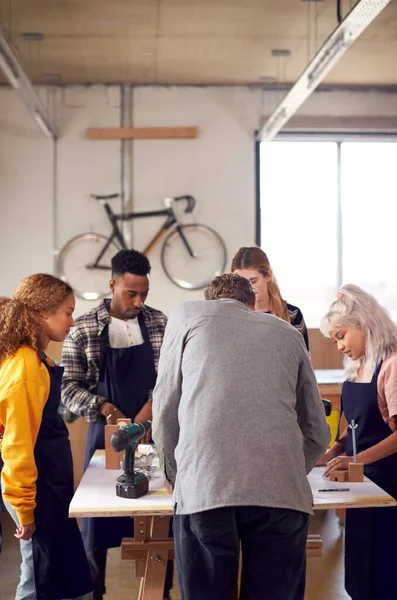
26,589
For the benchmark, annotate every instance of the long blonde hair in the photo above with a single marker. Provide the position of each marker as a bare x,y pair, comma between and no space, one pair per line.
253,257
356,308
21,320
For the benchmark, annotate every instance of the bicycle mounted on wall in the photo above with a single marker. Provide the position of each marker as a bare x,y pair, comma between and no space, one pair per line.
191,254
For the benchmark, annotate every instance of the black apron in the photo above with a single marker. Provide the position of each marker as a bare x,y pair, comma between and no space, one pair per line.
371,533
60,564
125,377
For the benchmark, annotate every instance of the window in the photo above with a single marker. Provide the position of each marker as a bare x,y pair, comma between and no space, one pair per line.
328,216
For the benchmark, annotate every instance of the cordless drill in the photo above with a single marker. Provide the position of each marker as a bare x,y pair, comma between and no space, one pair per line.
130,484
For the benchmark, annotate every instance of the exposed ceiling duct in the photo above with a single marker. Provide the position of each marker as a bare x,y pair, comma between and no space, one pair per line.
18,79
335,46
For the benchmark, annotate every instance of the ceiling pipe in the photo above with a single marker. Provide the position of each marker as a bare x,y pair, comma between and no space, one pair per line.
21,83
363,13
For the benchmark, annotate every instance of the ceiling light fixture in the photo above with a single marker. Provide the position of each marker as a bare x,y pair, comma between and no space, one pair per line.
32,37
52,77
281,52
363,13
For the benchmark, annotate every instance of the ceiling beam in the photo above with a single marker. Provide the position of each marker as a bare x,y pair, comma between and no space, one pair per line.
358,19
21,83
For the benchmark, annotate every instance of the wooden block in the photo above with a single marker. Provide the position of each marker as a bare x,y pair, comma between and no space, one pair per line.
112,458
338,476
141,133
356,472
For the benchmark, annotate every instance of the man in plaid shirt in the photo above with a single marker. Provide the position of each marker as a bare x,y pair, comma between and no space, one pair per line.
110,359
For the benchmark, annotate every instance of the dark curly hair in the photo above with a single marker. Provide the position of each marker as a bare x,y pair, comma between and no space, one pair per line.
130,261
233,286
20,316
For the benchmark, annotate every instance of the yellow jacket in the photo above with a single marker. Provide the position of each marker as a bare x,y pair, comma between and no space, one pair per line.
24,391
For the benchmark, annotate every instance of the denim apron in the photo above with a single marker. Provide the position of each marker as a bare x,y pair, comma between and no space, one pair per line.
125,377
371,533
60,564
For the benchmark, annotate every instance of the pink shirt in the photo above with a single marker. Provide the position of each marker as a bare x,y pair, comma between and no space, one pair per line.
387,390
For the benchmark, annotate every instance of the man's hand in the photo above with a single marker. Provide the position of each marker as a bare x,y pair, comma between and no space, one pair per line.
336,450
145,414
111,413
326,458
25,532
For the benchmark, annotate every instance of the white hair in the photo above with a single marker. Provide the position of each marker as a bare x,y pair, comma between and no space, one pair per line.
358,309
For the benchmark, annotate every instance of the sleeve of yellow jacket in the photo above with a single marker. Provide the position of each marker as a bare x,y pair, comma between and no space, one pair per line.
24,390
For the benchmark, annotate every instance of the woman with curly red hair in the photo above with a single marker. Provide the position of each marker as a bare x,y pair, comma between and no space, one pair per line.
37,475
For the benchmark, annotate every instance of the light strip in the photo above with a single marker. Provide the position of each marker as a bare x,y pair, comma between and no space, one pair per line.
38,117
17,77
326,61
5,66
363,13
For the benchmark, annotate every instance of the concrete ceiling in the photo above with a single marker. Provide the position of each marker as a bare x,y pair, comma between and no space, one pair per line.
191,41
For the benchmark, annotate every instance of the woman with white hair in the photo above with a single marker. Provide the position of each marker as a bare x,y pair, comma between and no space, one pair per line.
367,336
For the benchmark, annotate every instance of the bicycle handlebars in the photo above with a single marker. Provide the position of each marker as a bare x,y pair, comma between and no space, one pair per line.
105,197
191,202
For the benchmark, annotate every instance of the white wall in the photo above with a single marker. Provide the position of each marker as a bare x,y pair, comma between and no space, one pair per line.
26,190
217,168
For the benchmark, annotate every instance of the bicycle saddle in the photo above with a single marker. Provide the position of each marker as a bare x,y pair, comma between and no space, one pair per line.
106,197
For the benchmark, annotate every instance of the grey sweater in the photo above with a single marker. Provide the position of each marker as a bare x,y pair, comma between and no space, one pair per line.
237,415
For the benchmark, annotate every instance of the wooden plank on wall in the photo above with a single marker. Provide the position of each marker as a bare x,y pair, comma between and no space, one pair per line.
323,351
141,133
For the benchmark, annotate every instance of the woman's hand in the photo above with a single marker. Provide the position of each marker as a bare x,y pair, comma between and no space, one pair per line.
340,463
25,532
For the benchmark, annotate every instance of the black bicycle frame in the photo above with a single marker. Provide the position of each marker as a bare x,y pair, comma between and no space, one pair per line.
118,235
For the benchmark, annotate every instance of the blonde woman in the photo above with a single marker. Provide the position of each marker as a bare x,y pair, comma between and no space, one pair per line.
367,337
37,476
252,263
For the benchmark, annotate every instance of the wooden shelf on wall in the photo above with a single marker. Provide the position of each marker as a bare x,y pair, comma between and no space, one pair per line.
141,133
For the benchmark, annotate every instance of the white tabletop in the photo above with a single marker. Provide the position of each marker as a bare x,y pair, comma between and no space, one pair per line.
330,376
96,494
365,494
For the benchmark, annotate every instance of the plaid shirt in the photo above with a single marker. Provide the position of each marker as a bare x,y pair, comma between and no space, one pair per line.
81,354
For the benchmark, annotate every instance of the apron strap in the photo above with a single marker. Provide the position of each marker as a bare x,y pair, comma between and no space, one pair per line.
104,344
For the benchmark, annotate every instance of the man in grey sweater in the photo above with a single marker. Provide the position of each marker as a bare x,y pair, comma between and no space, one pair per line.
238,422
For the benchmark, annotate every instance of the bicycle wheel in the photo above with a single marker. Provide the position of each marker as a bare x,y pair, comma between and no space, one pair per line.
193,272
76,260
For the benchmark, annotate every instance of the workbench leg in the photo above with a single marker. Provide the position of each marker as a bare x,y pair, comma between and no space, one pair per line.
151,549
141,534
152,584
160,527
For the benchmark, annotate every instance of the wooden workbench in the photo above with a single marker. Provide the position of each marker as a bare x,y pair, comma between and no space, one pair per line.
151,547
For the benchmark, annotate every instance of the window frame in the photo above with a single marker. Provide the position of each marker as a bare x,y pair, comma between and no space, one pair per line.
339,137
